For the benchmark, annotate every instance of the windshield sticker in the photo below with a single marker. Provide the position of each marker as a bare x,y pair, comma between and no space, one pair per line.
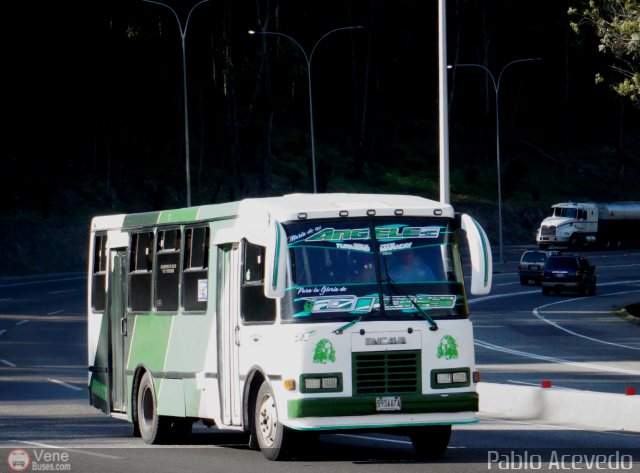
448,348
321,290
324,352
366,304
353,247
390,247
393,232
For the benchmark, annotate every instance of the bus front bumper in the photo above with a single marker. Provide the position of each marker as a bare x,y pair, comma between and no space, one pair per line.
360,411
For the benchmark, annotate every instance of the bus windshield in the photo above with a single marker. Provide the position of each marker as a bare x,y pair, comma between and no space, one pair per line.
333,274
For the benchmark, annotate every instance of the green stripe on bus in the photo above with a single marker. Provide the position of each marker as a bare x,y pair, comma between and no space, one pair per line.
366,405
99,389
178,215
149,341
140,220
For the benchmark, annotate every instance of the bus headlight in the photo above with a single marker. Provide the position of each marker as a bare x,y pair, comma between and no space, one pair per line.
311,383
329,383
321,382
450,378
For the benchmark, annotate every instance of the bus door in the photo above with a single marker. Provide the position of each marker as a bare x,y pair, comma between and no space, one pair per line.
117,329
229,328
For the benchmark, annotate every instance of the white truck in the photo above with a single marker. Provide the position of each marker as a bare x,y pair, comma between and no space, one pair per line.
580,224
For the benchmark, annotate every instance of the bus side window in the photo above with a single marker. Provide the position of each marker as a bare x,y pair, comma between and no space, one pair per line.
254,306
140,270
167,275
195,283
99,273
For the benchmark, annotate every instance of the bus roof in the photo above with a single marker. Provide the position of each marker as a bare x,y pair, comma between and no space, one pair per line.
284,208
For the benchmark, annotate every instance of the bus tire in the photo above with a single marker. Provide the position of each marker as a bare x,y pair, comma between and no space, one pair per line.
152,426
430,441
134,407
272,437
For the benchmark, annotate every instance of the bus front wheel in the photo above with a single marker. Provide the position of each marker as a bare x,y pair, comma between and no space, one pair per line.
272,436
430,441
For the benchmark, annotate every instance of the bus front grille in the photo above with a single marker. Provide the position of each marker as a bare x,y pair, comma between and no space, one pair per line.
386,372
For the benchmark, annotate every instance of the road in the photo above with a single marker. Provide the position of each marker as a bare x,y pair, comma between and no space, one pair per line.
522,338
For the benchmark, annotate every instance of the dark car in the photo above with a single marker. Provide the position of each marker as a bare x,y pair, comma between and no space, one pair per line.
568,273
531,265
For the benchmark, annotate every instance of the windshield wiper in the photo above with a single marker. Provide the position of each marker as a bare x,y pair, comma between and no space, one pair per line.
394,287
339,330
433,326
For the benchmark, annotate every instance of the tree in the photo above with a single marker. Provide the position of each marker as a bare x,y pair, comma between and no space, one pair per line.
617,24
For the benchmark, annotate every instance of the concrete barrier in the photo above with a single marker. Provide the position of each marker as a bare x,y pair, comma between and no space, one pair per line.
557,405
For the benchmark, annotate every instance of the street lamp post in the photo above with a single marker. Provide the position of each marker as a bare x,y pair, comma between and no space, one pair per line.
183,34
308,58
496,88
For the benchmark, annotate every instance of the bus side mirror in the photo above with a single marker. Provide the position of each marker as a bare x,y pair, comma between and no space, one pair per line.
480,254
275,262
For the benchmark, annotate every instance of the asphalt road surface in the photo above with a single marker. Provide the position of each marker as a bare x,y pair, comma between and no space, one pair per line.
525,337
522,337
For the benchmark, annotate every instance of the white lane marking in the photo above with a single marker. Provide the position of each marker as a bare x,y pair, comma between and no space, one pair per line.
507,284
2,332
501,296
562,361
62,291
524,293
31,283
55,312
522,382
84,452
538,385
536,313
22,322
8,363
62,383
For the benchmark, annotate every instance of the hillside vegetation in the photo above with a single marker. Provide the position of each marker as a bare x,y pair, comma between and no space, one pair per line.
54,237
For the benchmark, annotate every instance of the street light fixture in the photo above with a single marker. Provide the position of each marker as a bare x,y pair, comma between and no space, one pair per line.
183,34
308,58
496,88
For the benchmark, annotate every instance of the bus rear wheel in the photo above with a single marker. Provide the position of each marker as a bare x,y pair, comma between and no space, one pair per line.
430,441
153,428
273,437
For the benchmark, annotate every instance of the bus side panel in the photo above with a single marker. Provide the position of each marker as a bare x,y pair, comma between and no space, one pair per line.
186,357
171,398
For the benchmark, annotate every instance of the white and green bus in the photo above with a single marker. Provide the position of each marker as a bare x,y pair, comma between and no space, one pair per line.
287,316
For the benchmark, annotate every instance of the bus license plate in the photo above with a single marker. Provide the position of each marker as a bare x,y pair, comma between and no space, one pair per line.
388,403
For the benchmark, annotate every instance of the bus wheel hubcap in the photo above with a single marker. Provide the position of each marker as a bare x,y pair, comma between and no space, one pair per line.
268,420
